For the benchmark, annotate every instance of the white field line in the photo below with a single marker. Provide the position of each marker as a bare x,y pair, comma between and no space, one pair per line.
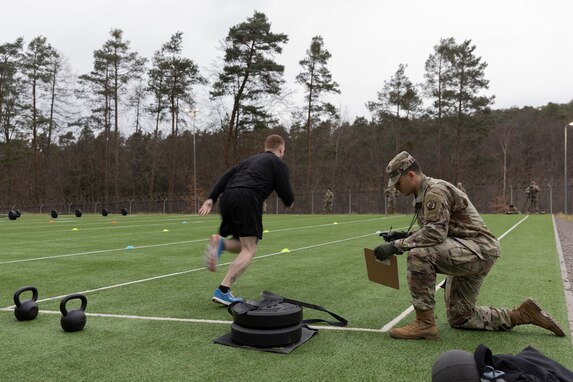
410,309
190,320
111,227
203,268
10,308
107,236
566,283
167,244
101,251
115,234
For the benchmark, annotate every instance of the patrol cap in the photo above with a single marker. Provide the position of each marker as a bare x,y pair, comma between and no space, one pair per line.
397,165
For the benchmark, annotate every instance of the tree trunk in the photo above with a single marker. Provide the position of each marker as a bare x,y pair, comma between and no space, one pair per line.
116,135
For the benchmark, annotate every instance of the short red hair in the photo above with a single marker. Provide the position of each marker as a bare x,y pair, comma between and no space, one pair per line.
274,142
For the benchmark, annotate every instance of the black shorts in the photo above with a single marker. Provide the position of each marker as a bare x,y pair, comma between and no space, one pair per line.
242,213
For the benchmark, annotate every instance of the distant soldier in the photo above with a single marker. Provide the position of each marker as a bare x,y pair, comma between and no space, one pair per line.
511,210
531,202
391,194
461,188
327,202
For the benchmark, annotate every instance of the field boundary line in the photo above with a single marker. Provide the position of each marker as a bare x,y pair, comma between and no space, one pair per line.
102,251
166,244
410,309
565,278
192,320
203,268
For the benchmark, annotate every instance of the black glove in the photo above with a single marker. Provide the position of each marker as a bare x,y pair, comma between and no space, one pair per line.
394,235
384,251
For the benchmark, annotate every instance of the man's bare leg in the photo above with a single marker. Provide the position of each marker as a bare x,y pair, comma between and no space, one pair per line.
248,250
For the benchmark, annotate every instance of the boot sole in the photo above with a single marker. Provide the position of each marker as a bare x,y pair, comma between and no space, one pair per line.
427,337
533,309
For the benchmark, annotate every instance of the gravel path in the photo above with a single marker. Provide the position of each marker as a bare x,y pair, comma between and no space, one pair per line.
565,231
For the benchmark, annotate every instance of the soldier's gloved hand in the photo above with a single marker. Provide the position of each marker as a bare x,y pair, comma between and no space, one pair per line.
394,235
384,251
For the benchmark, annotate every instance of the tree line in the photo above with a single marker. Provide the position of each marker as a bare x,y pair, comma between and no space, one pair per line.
127,128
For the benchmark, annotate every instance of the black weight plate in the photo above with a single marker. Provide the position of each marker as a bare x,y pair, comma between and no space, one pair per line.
277,315
266,338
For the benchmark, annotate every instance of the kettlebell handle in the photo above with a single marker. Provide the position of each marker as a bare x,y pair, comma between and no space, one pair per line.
71,297
24,289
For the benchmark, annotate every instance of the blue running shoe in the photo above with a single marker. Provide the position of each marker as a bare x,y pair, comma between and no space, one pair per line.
213,253
224,298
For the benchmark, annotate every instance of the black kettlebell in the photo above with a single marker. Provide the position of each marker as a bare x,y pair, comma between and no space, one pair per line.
74,320
27,310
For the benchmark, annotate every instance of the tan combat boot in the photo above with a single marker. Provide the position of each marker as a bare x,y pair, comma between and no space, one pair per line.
530,313
423,327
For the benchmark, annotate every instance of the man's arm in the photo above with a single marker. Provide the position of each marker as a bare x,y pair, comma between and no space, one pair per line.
282,184
221,185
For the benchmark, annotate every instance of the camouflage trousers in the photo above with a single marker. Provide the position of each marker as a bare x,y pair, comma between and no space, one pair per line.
532,206
465,272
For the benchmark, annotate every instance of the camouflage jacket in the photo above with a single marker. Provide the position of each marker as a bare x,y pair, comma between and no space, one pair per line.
532,191
446,212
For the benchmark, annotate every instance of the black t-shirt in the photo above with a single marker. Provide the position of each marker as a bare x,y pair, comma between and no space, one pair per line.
263,173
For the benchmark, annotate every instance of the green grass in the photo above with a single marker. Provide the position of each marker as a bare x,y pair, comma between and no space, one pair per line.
325,266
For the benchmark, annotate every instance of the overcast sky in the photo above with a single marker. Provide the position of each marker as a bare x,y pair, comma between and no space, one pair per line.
527,44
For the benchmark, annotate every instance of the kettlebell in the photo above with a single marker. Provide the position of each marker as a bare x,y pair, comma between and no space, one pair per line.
74,320
27,310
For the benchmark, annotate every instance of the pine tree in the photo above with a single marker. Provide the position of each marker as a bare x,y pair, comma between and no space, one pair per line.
317,81
249,73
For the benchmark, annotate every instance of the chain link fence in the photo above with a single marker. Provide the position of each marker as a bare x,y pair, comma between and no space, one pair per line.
486,198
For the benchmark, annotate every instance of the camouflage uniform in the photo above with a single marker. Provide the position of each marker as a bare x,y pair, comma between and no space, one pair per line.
391,194
452,240
327,202
532,192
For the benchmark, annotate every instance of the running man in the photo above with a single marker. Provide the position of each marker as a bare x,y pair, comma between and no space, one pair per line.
244,189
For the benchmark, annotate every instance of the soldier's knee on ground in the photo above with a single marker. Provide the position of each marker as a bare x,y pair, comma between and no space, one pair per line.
456,318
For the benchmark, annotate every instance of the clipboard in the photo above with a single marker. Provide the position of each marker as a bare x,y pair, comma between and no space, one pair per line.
382,272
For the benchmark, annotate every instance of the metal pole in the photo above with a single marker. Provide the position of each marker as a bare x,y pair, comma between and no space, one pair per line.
510,194
312,203
194,163
565,170
550,199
